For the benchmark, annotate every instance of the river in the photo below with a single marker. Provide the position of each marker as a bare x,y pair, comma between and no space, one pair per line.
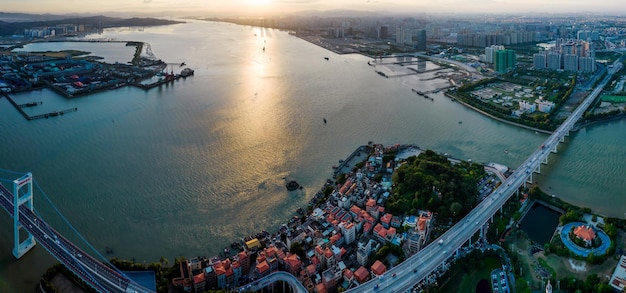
184,170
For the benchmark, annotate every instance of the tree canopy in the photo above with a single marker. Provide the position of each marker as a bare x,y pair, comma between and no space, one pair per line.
430,181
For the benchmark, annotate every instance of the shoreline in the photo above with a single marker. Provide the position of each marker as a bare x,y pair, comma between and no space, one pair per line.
494,117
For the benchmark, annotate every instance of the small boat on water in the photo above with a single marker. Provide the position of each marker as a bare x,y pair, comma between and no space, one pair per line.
326,58
324,120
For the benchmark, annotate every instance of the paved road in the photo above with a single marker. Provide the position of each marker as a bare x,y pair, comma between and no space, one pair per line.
290,279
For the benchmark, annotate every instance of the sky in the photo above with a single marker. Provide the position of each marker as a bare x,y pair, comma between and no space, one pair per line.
278,7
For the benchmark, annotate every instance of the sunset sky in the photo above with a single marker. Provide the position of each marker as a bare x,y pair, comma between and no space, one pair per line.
232,7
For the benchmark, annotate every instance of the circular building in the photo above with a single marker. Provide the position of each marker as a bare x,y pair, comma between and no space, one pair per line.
589,239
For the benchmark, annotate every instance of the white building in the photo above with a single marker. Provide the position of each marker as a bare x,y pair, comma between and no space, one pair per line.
544,106
527,107
348,231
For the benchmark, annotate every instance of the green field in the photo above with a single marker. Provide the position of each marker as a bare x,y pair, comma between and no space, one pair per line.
613,99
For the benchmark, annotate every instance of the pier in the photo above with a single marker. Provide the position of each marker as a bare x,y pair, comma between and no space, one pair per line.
168,79
31,104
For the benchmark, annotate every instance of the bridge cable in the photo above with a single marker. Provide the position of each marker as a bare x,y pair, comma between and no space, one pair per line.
43,193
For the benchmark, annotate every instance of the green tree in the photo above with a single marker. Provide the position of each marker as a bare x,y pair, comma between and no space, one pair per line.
455,208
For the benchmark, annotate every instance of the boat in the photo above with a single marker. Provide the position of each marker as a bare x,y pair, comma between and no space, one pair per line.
186,72
460,122
326,58
182,64
324,120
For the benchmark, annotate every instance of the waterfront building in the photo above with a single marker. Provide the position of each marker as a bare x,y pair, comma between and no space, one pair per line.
618,279
528,107
544,106
244,260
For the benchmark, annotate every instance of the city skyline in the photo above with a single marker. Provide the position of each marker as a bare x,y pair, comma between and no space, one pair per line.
282,7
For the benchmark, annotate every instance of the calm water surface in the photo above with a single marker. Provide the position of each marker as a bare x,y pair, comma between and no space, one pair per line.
184,170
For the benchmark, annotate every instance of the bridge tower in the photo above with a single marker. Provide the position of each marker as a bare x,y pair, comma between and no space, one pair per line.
19,249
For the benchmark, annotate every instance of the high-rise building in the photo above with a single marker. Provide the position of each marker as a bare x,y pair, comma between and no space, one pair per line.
553,61
399,36
586,64
539,61
384,32
491,51
570,62
408,36
421,40
504,60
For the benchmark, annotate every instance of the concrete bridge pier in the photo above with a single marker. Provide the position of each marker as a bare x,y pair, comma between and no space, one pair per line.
21,248
545,160
554,148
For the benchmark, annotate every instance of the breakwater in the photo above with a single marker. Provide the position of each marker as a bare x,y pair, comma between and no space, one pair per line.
39,116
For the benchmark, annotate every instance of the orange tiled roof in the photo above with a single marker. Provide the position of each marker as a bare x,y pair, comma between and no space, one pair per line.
361,274
378,268
293,261
311,269
585,233
386,218
320,288
348,273
328,253
262,267
199,278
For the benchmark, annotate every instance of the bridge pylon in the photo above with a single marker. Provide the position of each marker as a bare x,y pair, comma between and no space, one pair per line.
19,249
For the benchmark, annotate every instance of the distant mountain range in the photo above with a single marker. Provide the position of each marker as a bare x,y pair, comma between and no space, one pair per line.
15,23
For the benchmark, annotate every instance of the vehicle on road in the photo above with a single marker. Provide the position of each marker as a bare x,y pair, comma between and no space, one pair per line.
440,241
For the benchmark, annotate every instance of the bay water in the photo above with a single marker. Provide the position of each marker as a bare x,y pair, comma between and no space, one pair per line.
185,169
